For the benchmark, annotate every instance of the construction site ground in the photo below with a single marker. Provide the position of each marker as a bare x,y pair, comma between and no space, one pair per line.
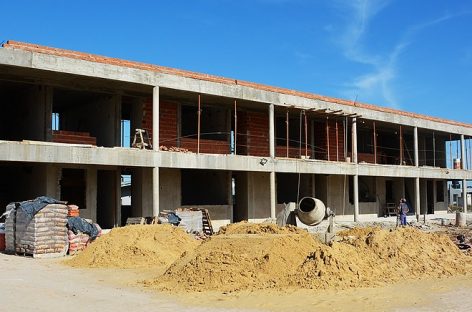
51,285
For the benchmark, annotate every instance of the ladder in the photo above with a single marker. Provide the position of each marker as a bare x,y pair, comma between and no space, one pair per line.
207,227
141,139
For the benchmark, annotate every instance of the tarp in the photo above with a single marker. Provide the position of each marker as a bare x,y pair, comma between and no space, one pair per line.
78,224
32,207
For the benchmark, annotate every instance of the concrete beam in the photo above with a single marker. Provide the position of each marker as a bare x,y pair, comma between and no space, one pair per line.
32,151
56,153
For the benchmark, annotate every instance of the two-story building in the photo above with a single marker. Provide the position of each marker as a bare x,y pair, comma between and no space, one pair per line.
238,148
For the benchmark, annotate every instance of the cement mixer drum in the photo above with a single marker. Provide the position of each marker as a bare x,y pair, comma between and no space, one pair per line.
311,211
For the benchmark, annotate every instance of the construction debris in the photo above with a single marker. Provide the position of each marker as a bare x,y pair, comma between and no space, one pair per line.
173,149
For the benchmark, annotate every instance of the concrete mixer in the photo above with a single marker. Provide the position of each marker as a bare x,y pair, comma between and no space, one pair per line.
311,212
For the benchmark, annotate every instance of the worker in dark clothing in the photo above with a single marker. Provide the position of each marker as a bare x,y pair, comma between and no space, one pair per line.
402,211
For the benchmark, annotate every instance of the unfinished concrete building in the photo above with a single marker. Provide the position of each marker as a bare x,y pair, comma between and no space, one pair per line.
237,148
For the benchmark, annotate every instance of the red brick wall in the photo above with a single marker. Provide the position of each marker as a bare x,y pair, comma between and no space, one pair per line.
168,130
368,158
167,122
321,141
147,117
73,137
253,133
206,146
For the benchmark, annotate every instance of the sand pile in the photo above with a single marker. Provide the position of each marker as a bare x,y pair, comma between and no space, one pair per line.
136,246
237,262
364,257
372,256
253,228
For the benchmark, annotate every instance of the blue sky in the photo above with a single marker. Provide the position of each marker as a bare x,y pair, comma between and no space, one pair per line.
410,55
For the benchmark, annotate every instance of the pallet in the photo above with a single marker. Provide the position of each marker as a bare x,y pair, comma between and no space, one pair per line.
141,220
135,220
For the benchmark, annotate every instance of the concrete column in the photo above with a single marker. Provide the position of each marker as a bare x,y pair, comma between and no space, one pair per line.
272,195
155,191
155,118
415,142
463,152
117,101
118,198
230,196
417,198
464,195
464,182
48,101
354,140
356,197
356,177
271,131
272,155
91,192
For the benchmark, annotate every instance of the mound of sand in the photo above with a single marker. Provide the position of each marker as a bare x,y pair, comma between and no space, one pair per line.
373,256
253,228
237,262
363,257
136,246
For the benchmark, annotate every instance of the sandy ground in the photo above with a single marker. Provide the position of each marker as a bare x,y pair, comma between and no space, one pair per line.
46,285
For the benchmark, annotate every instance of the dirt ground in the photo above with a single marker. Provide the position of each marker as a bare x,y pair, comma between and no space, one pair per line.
47,285
52,284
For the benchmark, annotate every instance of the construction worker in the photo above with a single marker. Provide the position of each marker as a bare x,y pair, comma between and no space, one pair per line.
402,211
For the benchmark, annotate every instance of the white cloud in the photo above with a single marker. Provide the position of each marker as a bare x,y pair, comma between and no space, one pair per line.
378,82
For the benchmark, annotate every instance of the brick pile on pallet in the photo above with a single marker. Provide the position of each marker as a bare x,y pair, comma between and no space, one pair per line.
45,235
77,242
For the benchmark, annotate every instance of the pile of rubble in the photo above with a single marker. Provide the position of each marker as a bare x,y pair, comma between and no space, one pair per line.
173,149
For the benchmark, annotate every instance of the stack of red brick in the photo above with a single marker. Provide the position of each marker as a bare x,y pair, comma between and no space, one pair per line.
73,137
79,241
73,211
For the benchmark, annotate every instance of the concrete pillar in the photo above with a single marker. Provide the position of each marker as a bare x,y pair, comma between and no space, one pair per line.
155,144
417,198
462,152
272,155
464,195
155,118
354,140
118,197
155,191
48,101
272,195
230,196
356,197
415,142
356,176
91,193
271,131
